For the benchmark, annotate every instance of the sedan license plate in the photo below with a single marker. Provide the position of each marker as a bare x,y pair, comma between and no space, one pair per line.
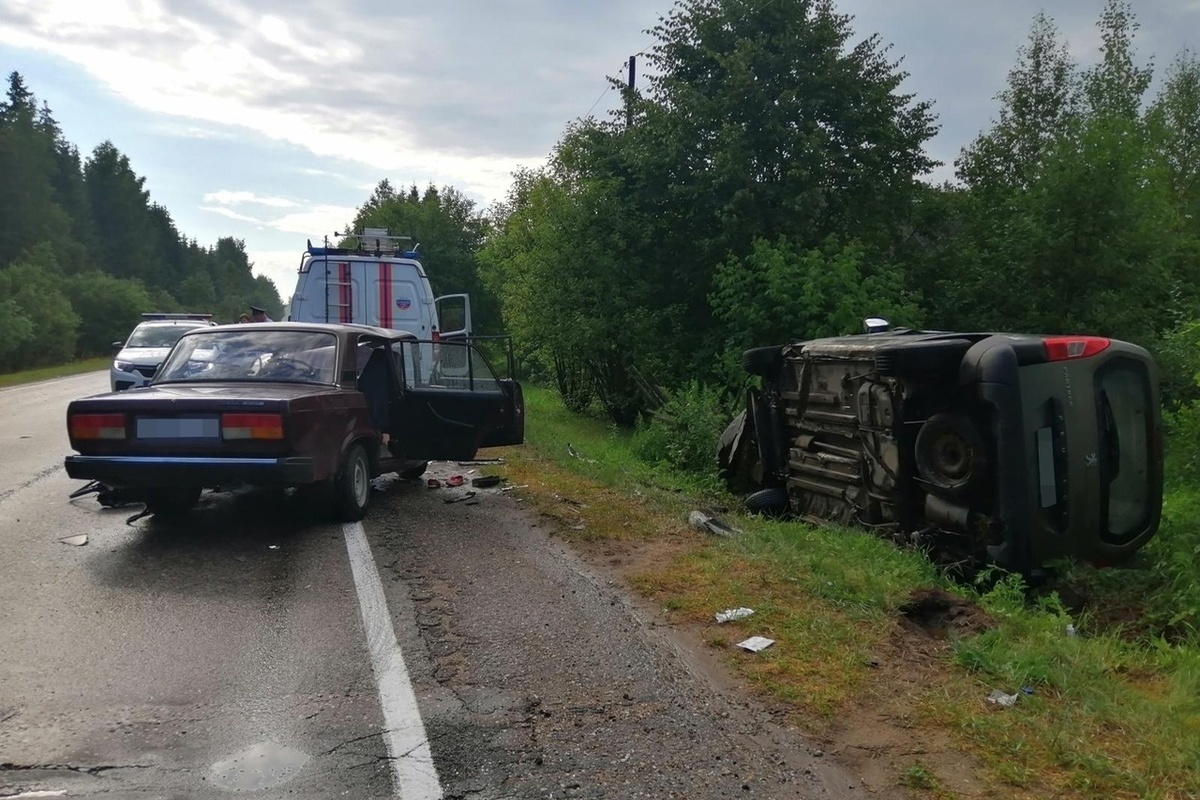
179,427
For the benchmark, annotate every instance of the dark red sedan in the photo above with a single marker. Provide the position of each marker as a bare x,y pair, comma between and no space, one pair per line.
293,404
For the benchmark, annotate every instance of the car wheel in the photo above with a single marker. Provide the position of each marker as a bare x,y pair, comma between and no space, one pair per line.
770,502
949,453
412,473
352,486
172,501
763,361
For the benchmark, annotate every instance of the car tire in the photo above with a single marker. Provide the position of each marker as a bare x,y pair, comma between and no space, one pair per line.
950,453
769,502
352,486
763,361
412,473
172,501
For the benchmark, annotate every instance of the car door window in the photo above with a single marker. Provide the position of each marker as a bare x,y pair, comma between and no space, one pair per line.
446,365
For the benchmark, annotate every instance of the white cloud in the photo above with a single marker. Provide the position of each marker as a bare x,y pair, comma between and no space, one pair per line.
226,197
234,67
315,222
231,214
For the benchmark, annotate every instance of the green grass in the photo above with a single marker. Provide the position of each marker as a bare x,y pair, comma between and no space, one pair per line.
1114,713
58,371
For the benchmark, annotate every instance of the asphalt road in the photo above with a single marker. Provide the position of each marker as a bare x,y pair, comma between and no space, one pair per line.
438,650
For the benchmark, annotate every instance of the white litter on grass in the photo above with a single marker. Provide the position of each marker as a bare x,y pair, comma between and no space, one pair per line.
756,643
731,614
78,540
1001,699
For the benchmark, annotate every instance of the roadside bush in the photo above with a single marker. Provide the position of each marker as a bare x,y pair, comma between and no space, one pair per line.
683,433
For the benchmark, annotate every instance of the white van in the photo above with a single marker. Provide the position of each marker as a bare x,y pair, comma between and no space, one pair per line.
380,283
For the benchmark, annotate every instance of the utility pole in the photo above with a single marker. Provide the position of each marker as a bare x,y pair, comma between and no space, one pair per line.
629,98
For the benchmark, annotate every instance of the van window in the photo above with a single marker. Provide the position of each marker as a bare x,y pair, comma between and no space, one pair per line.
1124,417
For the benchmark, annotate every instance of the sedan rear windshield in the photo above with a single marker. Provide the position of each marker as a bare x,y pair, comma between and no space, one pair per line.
252,354
1124,415
158,335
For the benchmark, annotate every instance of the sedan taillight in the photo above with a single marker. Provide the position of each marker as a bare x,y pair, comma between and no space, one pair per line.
252,426
97,426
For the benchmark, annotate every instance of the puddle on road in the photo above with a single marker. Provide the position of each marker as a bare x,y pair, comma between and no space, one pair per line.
260,766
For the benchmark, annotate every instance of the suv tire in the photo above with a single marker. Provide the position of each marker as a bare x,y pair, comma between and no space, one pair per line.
763,361
769,502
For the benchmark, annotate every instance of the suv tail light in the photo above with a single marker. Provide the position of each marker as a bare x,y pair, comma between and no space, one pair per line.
97,426
252,426
1064,348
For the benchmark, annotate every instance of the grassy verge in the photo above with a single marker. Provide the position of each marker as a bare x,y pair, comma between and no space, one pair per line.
59,371
1104,715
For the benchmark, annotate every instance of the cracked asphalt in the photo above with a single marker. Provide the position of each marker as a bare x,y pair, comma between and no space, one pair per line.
226,654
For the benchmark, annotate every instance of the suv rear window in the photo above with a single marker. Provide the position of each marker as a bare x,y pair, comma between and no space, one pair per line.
1123,414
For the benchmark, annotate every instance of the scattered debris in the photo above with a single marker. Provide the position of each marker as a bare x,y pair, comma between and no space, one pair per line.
731,614
1071,630
272,547
513,488
433,483
145,512
89,488
569,501
575,453
460,498
479,461
756,644
78,540
702,521
455,480
1001,699
485,481
26,436
1026,690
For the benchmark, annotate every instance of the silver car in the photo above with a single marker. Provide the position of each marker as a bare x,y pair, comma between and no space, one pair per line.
138,356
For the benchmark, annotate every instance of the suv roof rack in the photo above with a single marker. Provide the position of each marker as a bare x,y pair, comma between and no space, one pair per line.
168,315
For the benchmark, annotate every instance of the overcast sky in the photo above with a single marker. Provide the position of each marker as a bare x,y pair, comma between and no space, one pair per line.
273,124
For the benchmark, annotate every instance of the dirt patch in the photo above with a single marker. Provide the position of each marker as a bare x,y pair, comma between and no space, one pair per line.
938,613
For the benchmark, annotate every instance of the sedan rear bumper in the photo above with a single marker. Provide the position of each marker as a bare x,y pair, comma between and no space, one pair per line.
133,471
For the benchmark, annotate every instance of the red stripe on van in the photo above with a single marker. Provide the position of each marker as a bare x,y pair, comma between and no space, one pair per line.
385,295
346,295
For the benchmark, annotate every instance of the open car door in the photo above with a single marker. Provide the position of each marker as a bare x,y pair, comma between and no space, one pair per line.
447,417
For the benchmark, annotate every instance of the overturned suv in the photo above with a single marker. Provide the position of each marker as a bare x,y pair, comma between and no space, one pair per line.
1010,449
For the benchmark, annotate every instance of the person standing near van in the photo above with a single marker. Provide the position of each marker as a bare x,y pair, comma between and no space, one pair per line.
259,315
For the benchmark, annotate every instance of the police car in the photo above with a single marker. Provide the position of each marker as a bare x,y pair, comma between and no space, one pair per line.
138,357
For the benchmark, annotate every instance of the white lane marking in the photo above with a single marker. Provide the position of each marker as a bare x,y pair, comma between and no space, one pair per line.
39,793
414,775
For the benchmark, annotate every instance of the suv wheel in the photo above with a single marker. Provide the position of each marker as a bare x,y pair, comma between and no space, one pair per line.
949,453
763,361
770,502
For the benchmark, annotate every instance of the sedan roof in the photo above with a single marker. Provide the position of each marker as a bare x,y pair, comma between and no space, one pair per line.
337,328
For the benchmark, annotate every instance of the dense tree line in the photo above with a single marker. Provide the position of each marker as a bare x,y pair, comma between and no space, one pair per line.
84,251
770,188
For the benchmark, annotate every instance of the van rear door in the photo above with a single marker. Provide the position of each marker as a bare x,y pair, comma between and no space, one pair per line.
396,299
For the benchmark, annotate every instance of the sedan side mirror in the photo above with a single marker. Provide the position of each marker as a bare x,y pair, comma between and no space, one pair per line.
118,345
